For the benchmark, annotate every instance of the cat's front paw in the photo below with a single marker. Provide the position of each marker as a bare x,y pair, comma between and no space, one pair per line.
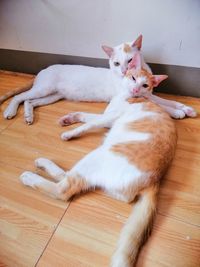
178,114
189,111
67,135
69,119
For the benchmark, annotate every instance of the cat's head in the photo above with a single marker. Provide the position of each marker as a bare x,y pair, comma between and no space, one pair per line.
120,56
138,81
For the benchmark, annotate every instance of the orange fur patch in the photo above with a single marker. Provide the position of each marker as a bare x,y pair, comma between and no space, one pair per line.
71,186
155,154
141,73
127,48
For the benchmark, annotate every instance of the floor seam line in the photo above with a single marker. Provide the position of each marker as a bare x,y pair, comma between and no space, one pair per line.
57,225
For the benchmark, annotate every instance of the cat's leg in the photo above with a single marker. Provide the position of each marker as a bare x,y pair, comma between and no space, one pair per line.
38,182
117,103
89,173
80,178
76,117
105,120
174,113
51,168
34,92
189,111
63,190
29,105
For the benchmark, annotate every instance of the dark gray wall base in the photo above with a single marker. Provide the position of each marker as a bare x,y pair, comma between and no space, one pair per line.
181,81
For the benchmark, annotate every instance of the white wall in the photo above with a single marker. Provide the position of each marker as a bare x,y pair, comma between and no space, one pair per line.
171,28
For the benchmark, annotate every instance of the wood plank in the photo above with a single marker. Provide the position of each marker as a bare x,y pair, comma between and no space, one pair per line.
89,231
87,234
27,220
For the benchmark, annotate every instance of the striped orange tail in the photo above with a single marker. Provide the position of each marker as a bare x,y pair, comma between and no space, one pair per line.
16,91
136,229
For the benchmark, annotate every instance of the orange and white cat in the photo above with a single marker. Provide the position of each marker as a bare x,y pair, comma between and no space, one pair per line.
136,153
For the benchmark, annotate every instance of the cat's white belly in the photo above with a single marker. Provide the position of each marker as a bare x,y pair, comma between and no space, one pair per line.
108,170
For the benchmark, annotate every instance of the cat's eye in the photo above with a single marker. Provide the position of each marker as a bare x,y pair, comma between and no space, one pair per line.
145,85
133,78
129,60
116,64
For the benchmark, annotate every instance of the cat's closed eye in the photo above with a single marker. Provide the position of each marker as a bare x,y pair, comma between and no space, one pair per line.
133,78
116,63
145,85
129,60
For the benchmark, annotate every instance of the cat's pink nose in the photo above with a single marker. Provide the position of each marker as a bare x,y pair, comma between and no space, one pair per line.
136,90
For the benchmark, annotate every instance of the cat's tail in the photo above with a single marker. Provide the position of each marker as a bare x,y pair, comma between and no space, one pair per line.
16,91
136,229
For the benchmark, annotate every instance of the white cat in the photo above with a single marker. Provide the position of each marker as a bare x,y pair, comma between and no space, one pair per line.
74,82
82,83
136,153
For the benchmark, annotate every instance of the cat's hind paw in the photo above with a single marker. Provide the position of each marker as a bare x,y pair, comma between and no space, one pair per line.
29,179
28,119
9,113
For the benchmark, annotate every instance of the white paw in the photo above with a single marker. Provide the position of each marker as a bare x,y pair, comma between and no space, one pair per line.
28,119
41,163
178,114
29,179
189,111
67,135
9,113
69,119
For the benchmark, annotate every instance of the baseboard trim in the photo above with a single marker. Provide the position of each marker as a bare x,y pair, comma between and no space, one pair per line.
182,80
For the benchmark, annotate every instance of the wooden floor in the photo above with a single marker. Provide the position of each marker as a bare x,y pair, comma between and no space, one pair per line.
39,231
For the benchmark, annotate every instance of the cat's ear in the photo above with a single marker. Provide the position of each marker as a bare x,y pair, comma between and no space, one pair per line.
109,50
136,62
138,42
157,79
